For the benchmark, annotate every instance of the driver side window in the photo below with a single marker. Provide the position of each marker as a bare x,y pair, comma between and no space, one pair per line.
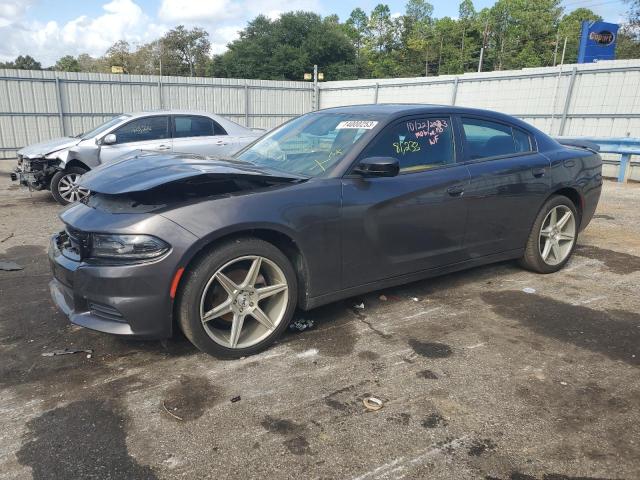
418,143
143,129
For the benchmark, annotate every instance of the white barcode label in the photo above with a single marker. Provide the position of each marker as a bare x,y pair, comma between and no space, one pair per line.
364,124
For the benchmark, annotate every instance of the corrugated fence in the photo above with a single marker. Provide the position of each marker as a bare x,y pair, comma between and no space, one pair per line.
601,99
39,105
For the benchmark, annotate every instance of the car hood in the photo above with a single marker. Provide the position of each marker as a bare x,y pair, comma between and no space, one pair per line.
147,171
50,146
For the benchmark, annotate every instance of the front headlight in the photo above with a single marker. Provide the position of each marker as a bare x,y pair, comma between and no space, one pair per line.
127,247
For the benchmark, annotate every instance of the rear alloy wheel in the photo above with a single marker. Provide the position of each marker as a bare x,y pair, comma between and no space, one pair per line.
553,236
65,188
238,299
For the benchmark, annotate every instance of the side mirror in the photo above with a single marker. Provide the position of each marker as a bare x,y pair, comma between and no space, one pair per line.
109,139
378,167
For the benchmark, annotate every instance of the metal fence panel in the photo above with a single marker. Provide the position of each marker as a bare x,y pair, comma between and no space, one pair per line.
39,105
601,99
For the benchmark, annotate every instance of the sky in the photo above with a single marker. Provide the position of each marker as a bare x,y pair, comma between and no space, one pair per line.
49,29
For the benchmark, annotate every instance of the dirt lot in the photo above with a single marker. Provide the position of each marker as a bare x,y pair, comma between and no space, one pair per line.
479,378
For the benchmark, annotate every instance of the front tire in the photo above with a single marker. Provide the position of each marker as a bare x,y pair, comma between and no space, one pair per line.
65,188
237,299
553,236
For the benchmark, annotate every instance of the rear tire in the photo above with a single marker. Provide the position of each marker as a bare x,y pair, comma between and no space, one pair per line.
553,236
229,307
64,186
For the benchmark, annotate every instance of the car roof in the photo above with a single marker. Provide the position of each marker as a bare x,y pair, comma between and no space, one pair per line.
145,113
397,110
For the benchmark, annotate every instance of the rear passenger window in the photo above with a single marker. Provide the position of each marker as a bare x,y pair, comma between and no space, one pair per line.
418,144
195,126
490,139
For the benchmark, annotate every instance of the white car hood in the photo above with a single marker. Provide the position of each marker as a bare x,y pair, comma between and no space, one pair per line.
45,148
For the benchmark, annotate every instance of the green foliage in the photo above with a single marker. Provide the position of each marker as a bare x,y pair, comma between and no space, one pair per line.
287,47
26,62
67,64
515,34
186,50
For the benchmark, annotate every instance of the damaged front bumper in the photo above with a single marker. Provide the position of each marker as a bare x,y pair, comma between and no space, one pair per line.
121,300
34,173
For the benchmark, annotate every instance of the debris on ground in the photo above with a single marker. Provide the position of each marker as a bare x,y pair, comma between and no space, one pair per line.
359,306
170,412
67,351
383,298
415,299
529,290
372,403
10,266
7,237
301,324
236,399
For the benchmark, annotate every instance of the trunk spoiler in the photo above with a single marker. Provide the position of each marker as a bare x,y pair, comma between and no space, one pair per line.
578,142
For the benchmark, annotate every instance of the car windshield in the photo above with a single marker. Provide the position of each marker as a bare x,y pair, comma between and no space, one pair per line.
102,127
309,145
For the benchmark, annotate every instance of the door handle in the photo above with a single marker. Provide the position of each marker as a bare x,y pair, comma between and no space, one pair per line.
220,142
456,190
163,147
538,172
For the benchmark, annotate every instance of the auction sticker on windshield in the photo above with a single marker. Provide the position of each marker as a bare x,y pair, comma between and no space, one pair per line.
365,124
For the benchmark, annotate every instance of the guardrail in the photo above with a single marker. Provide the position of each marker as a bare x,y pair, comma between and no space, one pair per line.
625,147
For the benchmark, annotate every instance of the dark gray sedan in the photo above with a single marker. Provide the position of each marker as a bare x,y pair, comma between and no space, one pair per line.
332,204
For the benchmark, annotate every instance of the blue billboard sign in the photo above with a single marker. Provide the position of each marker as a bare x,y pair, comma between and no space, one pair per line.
597,41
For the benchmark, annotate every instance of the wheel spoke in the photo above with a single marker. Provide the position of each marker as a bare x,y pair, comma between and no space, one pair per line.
556,251
222,309
565,237
226,283
236,328
545,232
553,218
546,250
563,221
252,274
266,292
262,317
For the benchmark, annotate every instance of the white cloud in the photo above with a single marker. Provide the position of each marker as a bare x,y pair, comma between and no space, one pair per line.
11,10
198,11
122,19
48,40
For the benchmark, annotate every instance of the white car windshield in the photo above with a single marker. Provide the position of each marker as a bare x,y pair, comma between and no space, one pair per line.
311,144
102,127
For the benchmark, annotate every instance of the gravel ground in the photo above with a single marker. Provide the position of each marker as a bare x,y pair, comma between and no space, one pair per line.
479,378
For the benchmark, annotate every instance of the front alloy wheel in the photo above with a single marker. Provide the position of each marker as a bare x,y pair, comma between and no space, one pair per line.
244,302
237,298
65,188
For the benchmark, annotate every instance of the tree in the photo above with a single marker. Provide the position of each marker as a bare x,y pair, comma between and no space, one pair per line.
67,64
119,55
286,48
523,33
26,62
189,47
634,18
87,63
